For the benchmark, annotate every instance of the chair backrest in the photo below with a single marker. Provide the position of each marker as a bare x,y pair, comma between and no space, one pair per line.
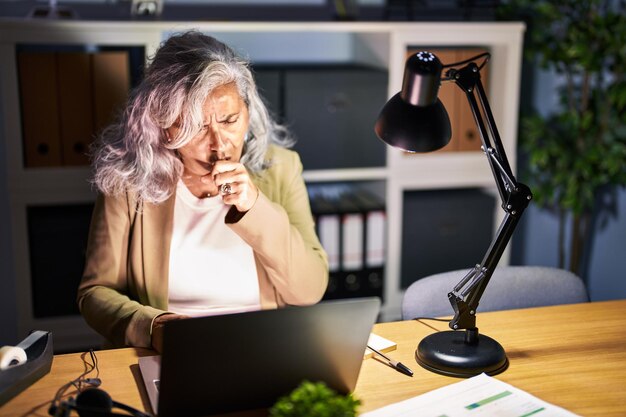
510,287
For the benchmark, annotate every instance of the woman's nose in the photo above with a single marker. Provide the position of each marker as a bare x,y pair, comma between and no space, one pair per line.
216,141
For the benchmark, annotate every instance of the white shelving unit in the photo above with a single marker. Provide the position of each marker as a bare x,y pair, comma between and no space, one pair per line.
381,45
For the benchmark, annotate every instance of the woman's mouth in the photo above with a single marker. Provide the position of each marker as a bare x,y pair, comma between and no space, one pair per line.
213,159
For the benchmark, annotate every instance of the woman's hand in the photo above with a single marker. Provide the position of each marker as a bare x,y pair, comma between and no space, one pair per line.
157,328
235,185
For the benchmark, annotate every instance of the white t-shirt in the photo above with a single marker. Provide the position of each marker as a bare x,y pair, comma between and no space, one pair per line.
212,270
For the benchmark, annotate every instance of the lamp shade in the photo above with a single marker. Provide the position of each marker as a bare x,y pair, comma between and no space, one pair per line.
415,120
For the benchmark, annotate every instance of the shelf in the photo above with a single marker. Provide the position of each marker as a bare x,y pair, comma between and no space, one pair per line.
378,45
358,174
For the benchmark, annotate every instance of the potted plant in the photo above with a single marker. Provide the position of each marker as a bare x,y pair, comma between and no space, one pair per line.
315,399
578,150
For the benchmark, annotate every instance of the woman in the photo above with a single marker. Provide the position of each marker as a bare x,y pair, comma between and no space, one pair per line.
201,211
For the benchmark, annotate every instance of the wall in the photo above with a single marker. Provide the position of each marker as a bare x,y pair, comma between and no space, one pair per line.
8,325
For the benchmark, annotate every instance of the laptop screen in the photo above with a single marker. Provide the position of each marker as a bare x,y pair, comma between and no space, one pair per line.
219,364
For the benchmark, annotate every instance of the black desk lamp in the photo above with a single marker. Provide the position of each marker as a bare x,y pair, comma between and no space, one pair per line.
415,120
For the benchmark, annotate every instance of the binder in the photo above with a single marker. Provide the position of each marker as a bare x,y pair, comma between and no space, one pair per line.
66,98
111,83
327,227
358,239
40,110
352,238
374,242
352,234
75,98
376,225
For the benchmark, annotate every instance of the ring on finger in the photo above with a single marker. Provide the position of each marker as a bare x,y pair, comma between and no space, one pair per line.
226,189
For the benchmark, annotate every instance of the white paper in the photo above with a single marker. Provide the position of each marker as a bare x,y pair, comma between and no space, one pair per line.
481,395
380,344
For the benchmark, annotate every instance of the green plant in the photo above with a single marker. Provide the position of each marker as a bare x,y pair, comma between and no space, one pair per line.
315,400
579,149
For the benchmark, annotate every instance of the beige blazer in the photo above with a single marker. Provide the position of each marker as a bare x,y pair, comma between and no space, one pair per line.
125,282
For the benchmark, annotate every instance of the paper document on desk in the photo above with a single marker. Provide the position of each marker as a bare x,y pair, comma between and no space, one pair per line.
481,394
380,344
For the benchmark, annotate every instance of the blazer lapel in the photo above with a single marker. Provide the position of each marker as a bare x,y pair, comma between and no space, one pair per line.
157,226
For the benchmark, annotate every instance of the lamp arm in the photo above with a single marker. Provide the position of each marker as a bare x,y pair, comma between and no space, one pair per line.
515,197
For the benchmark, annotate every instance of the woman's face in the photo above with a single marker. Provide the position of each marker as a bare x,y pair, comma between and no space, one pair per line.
222,136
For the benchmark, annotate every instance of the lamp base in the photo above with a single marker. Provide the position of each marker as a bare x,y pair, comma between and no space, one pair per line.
448,353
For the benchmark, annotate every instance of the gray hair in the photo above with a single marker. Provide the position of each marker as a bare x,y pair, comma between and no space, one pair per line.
133,154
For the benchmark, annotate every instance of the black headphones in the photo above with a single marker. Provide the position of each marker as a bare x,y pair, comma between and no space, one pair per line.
93,402
90,401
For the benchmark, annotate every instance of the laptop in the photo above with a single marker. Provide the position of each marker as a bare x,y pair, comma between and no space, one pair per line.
246,361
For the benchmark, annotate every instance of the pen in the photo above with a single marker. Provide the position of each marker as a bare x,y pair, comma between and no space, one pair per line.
398,366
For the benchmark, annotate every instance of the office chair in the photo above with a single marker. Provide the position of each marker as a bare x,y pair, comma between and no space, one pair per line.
510,287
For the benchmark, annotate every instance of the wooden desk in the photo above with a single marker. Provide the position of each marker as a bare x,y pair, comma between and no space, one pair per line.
572,356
